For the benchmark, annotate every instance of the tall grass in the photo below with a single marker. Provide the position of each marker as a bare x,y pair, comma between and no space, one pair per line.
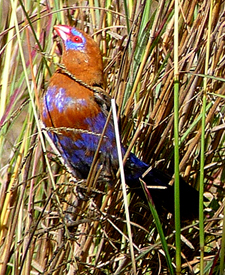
44,229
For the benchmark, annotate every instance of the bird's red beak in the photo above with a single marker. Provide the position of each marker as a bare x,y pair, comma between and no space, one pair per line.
63,31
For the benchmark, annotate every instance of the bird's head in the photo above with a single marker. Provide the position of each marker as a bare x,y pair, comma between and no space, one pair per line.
71,37
81,55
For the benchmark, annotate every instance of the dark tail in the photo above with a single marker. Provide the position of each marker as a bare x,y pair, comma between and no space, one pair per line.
163,194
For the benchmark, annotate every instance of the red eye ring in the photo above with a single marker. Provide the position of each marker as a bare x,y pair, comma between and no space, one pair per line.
76,39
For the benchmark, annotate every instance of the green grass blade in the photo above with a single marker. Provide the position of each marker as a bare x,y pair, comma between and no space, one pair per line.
158,226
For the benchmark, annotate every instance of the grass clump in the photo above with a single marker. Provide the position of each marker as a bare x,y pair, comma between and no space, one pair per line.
44,229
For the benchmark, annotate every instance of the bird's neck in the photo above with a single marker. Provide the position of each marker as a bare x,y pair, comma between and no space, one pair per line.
82,67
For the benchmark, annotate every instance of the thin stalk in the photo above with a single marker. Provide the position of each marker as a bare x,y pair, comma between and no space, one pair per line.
5,76
6,68
222,247
176,140
126,9
202,153
222,250
158,226
201,189
123,182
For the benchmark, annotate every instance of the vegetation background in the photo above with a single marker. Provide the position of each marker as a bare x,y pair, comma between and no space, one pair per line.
41,230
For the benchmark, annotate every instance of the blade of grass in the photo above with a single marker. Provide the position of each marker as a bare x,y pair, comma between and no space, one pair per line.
127,8
123,182
158,226
176,140
6,69
202,144
5,76
222,250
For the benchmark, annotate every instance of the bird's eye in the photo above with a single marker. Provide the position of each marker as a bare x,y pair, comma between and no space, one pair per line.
76,39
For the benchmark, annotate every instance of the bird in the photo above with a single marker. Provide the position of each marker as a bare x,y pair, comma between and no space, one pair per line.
75,110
